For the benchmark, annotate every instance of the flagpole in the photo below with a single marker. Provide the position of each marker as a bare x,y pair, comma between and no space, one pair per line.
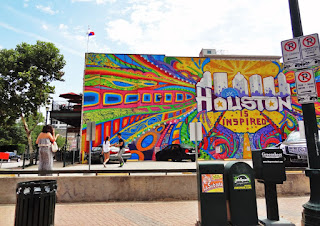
87,42
88,37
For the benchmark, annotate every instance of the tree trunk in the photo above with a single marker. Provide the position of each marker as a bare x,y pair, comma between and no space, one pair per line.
28,133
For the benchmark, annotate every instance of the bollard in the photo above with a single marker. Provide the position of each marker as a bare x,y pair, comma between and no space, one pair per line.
212,197
241,190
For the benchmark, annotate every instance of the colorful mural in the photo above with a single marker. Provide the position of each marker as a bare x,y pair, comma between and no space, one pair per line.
151,99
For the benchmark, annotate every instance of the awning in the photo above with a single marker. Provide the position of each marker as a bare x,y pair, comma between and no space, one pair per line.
70,95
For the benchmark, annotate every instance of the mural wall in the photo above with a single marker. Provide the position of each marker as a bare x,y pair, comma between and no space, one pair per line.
151,99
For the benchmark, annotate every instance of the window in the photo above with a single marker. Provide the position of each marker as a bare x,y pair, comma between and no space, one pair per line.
208,51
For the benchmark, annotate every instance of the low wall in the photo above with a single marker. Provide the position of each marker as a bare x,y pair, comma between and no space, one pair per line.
135,188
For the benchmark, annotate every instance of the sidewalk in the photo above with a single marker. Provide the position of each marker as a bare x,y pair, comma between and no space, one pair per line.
182,213
130,164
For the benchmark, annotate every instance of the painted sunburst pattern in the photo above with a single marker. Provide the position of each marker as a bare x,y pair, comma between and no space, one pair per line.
152,99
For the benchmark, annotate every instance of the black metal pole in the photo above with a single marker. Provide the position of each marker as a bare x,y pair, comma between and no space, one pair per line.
78,140
65,150
311,213
47,111
271,201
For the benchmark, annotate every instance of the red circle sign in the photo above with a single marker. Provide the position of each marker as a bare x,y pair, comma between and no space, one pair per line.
304,76
290,46
309,41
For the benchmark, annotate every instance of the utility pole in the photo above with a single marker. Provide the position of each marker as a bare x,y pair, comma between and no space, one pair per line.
311,212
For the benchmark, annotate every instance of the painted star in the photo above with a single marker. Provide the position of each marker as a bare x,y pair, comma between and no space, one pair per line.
271,104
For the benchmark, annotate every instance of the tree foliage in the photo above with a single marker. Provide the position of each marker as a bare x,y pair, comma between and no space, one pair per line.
9,135
61,141
25,76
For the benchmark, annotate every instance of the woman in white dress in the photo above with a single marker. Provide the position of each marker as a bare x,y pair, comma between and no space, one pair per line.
106,150
44,141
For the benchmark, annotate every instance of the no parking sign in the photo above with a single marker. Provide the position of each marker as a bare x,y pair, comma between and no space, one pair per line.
291,50
301,52
309,46
306,86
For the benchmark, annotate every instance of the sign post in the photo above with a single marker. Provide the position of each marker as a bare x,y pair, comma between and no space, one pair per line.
195,131
91,136
311,212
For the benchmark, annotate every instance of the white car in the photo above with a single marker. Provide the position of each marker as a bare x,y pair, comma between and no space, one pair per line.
294,149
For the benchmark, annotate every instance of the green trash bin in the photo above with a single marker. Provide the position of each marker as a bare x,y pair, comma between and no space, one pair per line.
36,202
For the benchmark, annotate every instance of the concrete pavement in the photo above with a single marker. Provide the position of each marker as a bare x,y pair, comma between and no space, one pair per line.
142,213
182,213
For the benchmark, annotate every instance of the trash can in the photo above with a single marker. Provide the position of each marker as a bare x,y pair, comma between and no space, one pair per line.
241,194
212,199
36,202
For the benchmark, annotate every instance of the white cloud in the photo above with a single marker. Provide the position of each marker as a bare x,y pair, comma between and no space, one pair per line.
38,37
184,27
44,27
81,1
25,4
63,27
98,2
46,9
77,36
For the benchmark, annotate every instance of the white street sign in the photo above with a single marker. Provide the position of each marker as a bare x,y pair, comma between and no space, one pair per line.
306,86
291,50
91,131
301,52
195,131
301,65
309,46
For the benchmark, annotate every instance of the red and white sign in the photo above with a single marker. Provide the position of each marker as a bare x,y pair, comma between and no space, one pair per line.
309,46
306,86
309,41
290,46
291,50
300,53
304,76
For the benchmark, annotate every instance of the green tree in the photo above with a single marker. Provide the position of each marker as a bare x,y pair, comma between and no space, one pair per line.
25,76
61,141
33,122
9,135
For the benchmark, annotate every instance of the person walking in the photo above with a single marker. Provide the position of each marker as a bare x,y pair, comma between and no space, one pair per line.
44,141
106,150
120,146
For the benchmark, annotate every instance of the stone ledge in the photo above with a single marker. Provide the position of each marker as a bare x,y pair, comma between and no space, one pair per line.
136,188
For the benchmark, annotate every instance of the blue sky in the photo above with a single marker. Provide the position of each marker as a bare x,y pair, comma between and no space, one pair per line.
170,27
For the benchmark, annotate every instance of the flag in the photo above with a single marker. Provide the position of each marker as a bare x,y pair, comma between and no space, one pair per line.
91,33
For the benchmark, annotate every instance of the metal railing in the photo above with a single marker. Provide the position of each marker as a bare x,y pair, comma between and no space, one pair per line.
65,106
115,171
96,172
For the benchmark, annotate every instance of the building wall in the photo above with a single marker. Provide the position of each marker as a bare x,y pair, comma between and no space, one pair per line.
151,99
